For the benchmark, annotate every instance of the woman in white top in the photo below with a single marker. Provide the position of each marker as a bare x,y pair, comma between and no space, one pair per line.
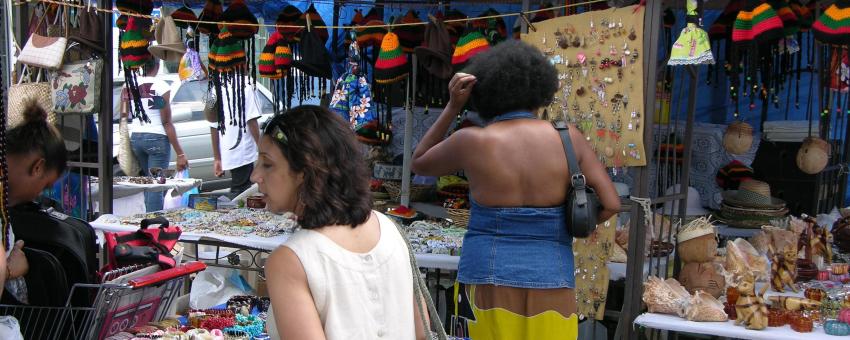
346,273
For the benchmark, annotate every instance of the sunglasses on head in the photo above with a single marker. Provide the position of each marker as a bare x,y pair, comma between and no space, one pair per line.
273,129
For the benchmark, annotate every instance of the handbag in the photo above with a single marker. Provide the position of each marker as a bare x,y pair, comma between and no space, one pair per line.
582,203
211,106
422,296
20,93
126,158
143,246
76,87
43,52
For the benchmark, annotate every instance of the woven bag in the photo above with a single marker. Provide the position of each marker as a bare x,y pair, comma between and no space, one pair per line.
126,159
19,94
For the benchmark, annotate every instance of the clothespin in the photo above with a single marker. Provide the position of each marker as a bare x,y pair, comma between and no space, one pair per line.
527,22
309,22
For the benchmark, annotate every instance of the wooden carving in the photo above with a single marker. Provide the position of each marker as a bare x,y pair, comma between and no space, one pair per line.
750,308
783,269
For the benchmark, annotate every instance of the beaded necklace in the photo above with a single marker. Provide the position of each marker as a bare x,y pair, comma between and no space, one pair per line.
4,170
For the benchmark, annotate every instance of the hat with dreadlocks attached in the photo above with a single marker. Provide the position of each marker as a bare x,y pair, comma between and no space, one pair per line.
392,64
833,26
789,19
757,23
470,44
238,13
289,17
372,34
455,28
211,13
493,28
133,48
316,22
720,29
266,65
410,36
805,17
183,13
228,66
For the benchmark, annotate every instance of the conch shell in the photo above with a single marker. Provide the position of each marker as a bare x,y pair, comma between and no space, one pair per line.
665,296
742,258
704,307
618,255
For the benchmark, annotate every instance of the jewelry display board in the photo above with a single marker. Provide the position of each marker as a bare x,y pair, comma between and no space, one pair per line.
600,72
591,258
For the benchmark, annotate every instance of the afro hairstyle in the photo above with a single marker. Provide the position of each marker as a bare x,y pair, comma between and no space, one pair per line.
511,76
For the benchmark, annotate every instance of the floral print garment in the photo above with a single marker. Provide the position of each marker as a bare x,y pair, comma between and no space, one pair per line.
352,99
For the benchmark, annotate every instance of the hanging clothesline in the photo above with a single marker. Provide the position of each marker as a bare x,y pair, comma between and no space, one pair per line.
520,14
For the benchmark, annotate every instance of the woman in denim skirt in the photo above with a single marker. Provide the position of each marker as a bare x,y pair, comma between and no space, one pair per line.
517,262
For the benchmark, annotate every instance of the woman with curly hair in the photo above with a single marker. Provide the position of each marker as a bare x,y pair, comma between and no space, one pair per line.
346,273
517,255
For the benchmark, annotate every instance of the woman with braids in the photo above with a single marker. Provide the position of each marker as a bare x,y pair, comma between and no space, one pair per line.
36,157
517,260
346,273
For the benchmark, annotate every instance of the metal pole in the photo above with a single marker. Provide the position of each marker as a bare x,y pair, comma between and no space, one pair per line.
104,121
525,5
408,140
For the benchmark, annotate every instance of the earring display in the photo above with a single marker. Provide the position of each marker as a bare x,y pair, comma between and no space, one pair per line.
599,53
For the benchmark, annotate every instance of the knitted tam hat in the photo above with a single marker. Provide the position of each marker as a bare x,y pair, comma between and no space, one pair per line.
211,12
265,64
183,13
135,6
289,16
283,57
790,23
371,36
757,22
804,15
493,28
239,13
455,28
833,26
470,44
391,65
720,28
731,175
134,46
227,53
315,21
410,36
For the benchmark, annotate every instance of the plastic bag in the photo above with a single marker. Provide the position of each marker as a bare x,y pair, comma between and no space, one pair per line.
181,201
212,287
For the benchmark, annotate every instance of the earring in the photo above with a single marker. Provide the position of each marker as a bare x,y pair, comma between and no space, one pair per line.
632,34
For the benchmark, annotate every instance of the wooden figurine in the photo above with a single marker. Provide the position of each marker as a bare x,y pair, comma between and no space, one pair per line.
783,268
750,308
793,303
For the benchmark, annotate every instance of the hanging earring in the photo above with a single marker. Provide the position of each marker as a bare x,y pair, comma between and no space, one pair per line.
632,34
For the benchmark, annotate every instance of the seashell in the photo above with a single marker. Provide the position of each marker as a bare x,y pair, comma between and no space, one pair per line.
665,296
704,307
742,257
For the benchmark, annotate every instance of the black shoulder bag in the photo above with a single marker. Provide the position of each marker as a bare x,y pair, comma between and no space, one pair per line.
582,203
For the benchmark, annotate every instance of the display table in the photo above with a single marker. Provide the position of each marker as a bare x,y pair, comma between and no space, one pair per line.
724,329
122,189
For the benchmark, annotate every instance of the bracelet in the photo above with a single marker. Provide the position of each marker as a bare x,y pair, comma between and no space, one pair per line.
181,155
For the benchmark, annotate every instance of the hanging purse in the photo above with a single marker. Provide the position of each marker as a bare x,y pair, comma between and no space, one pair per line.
21,92
582,203
44,52
210,106
76,87
126,158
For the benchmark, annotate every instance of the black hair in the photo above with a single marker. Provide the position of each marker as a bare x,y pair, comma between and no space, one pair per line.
36,135
321,145
511,76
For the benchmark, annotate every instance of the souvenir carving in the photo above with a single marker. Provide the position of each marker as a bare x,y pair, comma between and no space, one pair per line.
750,308
815,294
813,155
730,311
704,307
665,296
784,269
732,295
793,303
738,138
697,241
704,276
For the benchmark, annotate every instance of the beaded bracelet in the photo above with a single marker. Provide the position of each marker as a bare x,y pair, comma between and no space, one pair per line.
217,323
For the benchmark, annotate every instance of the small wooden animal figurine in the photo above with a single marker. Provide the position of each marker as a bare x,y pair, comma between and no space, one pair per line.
783,269
793,303
750,308
819,243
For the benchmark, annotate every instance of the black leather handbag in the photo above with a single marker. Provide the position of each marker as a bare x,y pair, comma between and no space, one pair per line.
582,203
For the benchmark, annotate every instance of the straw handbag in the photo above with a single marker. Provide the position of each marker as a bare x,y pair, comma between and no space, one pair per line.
126,159
21,92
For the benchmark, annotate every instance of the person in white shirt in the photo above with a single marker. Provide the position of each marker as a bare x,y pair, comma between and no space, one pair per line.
235,150
152,141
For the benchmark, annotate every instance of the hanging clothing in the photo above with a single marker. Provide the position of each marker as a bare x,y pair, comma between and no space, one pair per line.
352,99
358,295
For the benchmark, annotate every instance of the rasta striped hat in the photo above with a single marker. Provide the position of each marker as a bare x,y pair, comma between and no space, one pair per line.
757,22
833,26
392,64
265,64
371,36
283,57
804,14
226,53
239,13
789,19
134,46
183,13
315,20
470,44
289,17
410,37
211,12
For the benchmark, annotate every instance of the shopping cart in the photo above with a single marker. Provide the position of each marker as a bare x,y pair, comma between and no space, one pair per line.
128,297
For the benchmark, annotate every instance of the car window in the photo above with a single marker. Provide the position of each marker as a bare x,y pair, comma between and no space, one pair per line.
193,91
266,105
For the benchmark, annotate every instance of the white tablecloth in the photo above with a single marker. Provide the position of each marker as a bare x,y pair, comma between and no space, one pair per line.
123,189
725,329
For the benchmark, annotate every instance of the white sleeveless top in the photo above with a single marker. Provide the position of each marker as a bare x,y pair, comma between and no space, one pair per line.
358,295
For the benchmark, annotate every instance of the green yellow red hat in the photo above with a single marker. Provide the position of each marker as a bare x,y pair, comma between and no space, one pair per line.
134,46
833,26
757,22
392,64
470,44
265,64
227,53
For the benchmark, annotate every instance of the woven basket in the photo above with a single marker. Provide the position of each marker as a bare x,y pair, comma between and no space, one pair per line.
460,217
418,192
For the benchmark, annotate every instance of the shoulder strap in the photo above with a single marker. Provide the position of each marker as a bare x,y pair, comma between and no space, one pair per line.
576,176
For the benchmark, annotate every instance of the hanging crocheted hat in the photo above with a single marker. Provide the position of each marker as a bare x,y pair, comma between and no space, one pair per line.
455,28
757,22
212,13
227,53
183,13
265,64
410,36
391,65
315,61
790,23
283,57
692,47
470,44
289,17
316,21
239,13
720,29
833,26
144,7
228,66
133,48
372,34
493,28
805,18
